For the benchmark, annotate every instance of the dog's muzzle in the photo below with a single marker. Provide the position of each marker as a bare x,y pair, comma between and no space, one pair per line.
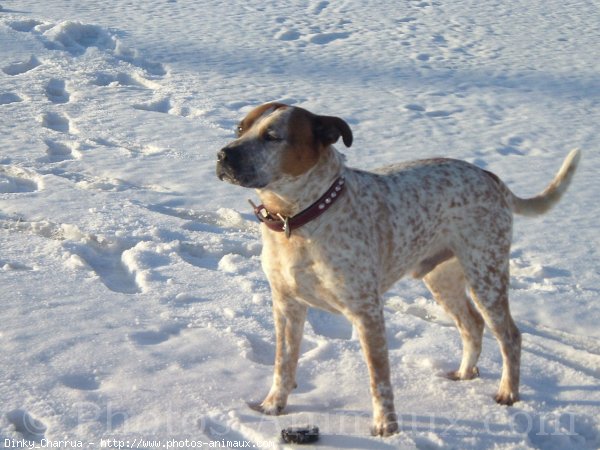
224,172
235,167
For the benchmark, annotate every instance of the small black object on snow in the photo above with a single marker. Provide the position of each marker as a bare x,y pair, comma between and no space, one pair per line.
300,435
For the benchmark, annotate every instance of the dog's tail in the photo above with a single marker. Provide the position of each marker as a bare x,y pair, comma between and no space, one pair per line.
541,203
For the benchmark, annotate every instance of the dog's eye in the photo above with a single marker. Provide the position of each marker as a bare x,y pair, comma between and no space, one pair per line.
271,136
239,130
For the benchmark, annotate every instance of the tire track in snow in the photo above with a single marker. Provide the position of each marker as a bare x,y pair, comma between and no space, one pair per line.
577,353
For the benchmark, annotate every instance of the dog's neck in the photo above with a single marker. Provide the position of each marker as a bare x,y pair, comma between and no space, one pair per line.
290,195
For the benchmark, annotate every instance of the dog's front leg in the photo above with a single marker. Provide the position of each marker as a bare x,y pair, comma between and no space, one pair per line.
370,326
289,317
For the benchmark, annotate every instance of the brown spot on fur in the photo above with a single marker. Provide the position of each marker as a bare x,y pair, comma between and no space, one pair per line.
248,121
302,150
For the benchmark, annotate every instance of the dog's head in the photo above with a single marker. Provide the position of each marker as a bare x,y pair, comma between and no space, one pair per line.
276,140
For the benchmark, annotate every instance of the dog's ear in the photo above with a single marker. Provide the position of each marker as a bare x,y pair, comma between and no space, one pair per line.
328,130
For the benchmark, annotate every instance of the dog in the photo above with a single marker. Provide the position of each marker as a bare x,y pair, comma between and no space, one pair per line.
338,238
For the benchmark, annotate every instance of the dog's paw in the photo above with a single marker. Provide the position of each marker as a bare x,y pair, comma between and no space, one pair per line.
457,375
506,398
385,425
274,403
271,410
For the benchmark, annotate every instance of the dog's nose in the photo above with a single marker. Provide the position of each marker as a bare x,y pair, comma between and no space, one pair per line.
222,156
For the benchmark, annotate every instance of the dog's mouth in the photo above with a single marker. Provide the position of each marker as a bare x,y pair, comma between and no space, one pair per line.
244,179
223,176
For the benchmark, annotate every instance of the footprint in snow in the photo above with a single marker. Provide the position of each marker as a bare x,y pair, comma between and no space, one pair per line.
21,67
160,106
7,98
329,325
192,254
76,37
440,40
80,381
327,38
8,266
440,113
56,91
421,111
232,263
218,429
207,220
14,180
57,122
30,428
507,150
155,337
153,68
124,79
59,151
512,147
318,7
184,299
288,35
228,256
258,350
149,337
24,26
88,182
419,4
414,107
107,262
239,105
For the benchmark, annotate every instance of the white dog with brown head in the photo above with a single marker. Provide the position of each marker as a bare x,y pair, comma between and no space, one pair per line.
337,238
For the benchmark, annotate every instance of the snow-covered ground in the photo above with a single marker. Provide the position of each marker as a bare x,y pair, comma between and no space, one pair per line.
133,305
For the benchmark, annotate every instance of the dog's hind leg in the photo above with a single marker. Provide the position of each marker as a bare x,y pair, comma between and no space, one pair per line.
448,285
487,274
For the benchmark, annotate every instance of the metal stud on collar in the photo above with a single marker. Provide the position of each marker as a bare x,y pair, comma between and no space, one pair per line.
333,194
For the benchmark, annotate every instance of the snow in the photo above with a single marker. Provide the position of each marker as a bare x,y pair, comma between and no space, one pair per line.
133,302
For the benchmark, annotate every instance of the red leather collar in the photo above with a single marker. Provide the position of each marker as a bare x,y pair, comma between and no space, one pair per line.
277,222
